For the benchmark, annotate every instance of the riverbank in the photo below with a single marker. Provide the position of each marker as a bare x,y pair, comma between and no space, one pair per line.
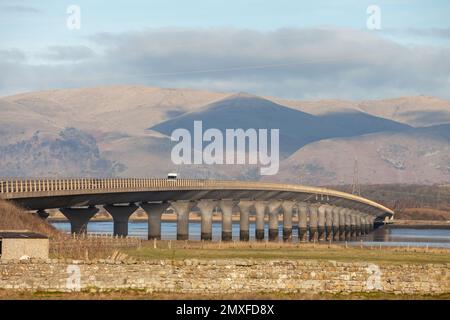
420,224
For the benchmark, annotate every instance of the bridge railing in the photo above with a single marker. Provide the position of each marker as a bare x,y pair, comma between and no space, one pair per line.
49,185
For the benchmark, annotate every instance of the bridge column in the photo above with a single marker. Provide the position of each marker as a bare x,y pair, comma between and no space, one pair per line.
321,223
348,224
206,208
367,226
226,206
121,215
329,223
42,214
371,223
182,208
342,220
287,219
358,224
260,207
154,212
273,206
363,223
302,221
79,218
244,231
335,223
313,221
352,224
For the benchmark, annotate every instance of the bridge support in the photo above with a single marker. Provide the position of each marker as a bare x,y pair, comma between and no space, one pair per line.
42,214
206,208
313,220
226,206
244,231
321,223
287,206
335,213
342,220
260,207
329,223
302,221
348,224
121,215
352,225
358,224
154,212
273,206
79,218
182,208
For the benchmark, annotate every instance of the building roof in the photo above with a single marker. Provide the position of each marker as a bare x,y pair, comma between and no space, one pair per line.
20,234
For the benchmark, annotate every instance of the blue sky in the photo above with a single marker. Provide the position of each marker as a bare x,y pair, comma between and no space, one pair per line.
34,38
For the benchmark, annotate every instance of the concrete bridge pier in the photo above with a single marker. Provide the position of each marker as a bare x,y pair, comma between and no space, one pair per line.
302,221
244,230
342,220
79,218
273,206
348,224
154,212
121,215
226,206
206,208
335,213
366,225
183,208
287,206
321,223
42,214
328,223
313,222
352,225
260,208
358,224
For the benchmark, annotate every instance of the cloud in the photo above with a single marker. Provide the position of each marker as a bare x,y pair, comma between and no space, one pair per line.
19,9
12,55
295,63
67,53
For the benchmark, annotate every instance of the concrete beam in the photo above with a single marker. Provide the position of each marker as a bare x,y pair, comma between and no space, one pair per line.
182,208
226,206
154,212
273,207
287,206
244,231
260,208
206,208
79,218
121,215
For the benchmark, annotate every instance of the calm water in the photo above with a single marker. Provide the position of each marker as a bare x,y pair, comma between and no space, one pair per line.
381,236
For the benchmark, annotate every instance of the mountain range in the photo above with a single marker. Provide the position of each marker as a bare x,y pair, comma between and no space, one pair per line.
125,131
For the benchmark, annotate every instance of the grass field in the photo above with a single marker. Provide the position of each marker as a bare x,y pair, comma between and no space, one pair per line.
180,250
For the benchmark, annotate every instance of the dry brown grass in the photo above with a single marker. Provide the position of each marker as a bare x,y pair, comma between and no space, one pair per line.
13,217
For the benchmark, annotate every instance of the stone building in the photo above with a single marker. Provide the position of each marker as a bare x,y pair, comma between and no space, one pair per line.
23,244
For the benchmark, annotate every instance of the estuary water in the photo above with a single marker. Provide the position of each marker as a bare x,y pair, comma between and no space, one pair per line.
384,236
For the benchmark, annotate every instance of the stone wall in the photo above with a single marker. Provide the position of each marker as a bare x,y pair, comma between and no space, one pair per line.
226,276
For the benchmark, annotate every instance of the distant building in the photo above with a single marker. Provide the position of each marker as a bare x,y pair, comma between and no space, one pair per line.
23,244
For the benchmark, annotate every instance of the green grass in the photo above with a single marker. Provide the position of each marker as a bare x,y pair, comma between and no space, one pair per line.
317,253
142,295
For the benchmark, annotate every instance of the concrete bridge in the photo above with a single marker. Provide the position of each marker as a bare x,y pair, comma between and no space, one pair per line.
322,214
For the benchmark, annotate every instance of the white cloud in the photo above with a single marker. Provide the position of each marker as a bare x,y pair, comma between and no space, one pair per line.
297,63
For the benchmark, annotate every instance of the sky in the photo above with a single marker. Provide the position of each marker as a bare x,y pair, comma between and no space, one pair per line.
287,48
